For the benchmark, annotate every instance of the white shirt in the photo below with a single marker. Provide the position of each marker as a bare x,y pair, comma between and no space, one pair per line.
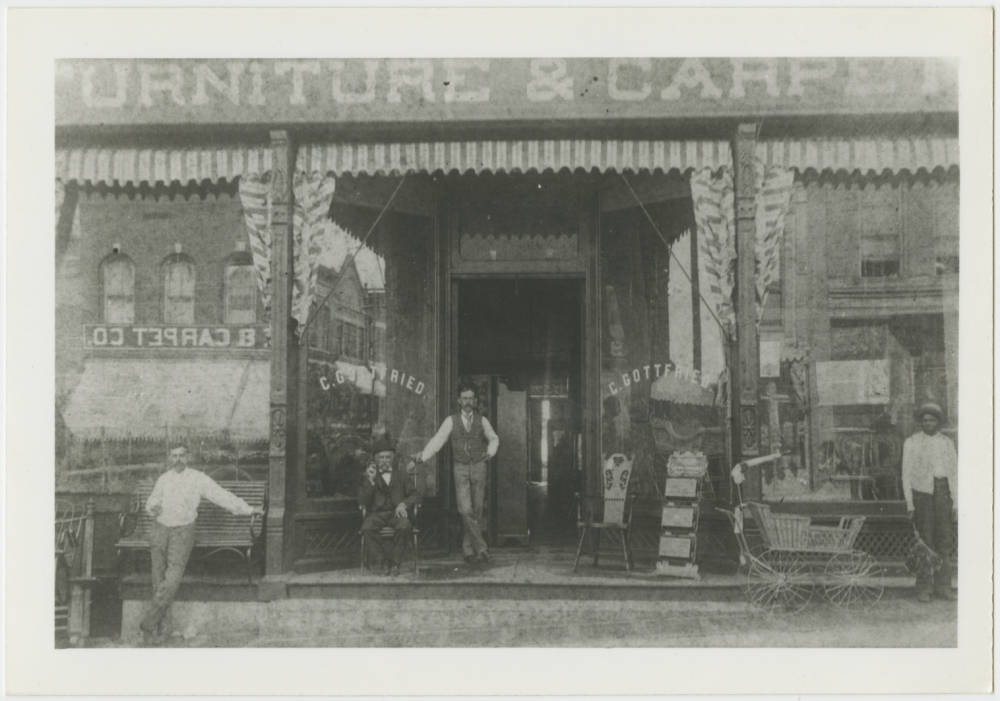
179,493
924,458
441,437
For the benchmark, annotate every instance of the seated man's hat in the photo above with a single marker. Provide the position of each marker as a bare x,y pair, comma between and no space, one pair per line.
383,444
931,408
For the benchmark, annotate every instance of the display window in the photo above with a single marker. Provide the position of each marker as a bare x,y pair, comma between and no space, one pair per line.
370,356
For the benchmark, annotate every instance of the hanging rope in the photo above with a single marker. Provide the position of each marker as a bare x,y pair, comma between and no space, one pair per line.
350,257
677,260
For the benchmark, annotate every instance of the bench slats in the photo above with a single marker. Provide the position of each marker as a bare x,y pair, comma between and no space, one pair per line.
215,527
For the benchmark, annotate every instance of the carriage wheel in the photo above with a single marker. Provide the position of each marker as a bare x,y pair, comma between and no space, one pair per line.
854,580
778,580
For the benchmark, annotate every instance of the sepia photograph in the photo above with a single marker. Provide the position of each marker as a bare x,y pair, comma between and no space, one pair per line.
409,351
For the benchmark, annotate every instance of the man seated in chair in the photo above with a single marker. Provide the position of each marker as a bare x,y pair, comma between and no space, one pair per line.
385,495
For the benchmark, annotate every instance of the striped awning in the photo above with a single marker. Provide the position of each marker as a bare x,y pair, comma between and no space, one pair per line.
183,165
864,155
521,156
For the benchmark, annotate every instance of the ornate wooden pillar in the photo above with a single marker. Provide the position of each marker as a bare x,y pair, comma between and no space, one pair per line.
282,165
747,366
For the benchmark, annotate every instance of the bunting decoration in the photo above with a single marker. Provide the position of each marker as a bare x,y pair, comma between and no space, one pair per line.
774,196
255,196
715,216
313,196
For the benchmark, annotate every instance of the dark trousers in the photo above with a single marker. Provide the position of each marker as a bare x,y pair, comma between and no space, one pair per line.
375,522
932,515
169,549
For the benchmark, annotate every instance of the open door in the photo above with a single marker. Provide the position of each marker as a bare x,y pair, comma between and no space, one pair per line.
520,341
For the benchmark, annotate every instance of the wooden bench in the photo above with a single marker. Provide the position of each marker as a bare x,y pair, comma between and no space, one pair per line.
216,529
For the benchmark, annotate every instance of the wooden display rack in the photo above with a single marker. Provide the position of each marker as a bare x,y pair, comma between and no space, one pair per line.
681,509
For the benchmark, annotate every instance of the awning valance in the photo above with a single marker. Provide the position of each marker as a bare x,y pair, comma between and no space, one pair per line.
911,154
119,398
137,165
521,156
184,165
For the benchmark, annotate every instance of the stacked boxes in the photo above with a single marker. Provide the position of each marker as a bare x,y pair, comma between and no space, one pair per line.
679,521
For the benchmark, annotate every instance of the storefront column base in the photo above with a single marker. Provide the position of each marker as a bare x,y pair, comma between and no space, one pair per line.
272,588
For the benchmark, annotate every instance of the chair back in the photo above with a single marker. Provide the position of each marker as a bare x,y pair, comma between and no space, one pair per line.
615,477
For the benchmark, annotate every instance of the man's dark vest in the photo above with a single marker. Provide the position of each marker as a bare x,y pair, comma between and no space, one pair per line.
468,447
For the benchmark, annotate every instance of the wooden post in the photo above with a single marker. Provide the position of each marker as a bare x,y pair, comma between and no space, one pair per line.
81,584
747,366
282,165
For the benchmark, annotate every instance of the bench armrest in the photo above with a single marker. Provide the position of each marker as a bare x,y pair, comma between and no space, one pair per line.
256,525
127,523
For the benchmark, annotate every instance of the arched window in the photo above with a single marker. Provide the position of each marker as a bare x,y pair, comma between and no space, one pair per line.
240,287
178,288
117,274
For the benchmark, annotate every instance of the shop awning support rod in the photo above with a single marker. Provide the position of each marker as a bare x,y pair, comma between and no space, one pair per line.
673,255
350,258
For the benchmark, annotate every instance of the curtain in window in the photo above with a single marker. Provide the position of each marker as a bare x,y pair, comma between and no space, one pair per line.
241,302
60,198
679,304
313,195
255,196
178,292
118,279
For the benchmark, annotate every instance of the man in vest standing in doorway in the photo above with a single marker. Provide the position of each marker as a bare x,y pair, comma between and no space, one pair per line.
473,442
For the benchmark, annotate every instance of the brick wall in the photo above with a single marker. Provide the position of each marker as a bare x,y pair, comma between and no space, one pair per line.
147,230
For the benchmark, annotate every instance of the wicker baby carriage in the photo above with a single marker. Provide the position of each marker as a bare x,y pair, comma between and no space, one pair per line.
796,556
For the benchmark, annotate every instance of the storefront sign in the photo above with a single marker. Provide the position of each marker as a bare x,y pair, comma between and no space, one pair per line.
242,91
365,378
188,337
652,372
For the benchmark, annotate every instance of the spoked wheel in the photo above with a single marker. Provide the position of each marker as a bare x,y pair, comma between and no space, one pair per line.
778,580
853,580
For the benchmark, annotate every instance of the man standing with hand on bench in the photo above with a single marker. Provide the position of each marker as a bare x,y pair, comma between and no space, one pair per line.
173,505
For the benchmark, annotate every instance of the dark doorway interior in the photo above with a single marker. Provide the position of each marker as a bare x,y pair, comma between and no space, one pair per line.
524,337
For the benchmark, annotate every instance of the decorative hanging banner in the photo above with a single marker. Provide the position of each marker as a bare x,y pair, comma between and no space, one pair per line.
313,196
715,215
255,196
774,196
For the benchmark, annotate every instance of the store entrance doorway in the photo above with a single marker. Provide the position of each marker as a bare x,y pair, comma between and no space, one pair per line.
520,340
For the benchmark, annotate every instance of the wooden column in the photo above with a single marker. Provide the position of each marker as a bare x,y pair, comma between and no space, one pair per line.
282,164
747,366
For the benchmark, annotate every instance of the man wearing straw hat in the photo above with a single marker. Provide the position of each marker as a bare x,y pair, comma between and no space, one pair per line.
930,486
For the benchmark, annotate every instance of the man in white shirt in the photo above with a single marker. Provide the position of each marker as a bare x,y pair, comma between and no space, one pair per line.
930,486
173,505
473,442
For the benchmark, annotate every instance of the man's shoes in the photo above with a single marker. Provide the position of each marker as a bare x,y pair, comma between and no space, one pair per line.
924,597
946,594
394,571
484,557
471,560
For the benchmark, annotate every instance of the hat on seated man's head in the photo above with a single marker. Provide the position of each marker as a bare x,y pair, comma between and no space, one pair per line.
383,444
931,408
